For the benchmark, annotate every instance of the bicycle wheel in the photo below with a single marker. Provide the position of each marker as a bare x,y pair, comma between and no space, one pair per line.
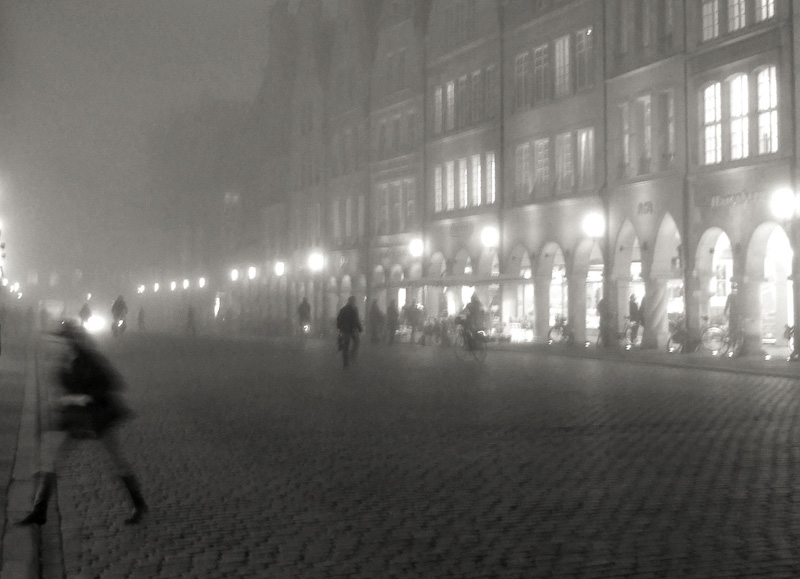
555,335
675,342
714,340
479,349
460,342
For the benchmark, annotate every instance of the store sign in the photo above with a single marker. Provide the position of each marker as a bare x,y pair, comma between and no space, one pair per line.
743,197
462,229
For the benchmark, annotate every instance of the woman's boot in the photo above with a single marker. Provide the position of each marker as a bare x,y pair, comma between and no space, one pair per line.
38,516
139,506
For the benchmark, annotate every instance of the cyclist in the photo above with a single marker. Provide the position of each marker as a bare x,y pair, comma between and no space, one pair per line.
473,318
303,314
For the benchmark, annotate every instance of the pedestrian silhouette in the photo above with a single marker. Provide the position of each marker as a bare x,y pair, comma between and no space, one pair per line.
376,322
392,317
349,326
140,319
90,407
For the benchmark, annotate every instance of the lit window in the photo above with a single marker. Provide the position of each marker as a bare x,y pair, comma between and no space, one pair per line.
740,136
710,19
451,105
437,189
541,166
586,158
584,58
735,14
646,119
463,184
522,81
765,9
541,74
437,110
476,180
562,66
450,184
490,178
565,169
477,96
712,127
767,111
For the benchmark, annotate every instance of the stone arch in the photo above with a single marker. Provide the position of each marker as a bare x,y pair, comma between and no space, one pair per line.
462,262
664,287
768,290
438,265
489,262
396,274
714,269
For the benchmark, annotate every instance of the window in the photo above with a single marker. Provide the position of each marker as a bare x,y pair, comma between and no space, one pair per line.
461,102
712,127
335,222
492,92
625,25
437,188
767,111
765,9
565,170
523,177
522,81
541,74
584,59
437,110
463,184
476,180
411,129
400,70
738,104
627,137
490,178
562,66
477,96
450,179
645,117
666,129
646,22
348,218
586,158
736,11
450,108
541,179
410,196
398,208
710,19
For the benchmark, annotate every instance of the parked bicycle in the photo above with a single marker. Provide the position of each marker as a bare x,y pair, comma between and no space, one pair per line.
561,332
788,333
720,340
628,333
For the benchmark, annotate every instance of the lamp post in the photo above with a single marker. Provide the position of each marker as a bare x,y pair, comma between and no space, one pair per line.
784,206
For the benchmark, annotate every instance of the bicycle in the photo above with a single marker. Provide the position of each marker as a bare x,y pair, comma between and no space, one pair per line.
560,332
716,338
468,343
629,329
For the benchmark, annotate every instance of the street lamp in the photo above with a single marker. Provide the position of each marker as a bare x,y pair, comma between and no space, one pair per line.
186,284
594,225
156,287
251,272
173,285
234,274
315,261
490,237
416,247
201,283
280,268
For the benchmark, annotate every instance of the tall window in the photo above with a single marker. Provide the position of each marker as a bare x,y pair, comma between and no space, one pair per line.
437,110
491,183
625,25
461,102
450,108
767,111
450,184
361,215
565,170
410,194
586,158
562,66
524,177
522,81
736,11
739,123
437,189
400,70
712,125
348,217
463,183
584,59
477,96
765,9
625,115
335,220
666,129
477,180
541,151
541,73
398,209
492,92
710,19
646,121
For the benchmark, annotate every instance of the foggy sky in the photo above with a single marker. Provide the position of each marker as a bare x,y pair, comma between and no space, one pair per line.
86,80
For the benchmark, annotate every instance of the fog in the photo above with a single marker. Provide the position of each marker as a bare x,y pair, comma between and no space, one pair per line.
86,87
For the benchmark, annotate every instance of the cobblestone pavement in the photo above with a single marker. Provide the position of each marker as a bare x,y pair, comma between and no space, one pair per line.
262,461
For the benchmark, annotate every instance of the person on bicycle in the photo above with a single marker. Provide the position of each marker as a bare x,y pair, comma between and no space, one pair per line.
349,326
473,318
733,311
303,313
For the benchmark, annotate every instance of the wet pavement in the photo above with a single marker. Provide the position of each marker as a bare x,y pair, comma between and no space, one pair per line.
266,460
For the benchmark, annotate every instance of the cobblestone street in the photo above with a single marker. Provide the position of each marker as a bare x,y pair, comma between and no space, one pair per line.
262,461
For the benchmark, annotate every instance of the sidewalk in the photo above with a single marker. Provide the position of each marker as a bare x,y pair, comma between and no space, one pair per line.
18,458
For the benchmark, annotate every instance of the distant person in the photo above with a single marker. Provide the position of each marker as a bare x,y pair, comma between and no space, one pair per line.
119,309
90,408
376,322
85,314
191,328
733,310
349,326
392,320
303,314
140,319
634,316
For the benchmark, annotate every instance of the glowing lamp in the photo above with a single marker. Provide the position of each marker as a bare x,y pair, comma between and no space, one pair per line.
594,225
416,247
490,237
